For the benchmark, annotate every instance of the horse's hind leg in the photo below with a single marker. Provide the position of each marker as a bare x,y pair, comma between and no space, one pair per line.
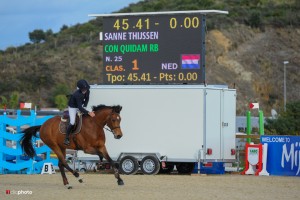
65,165
63,174
112,163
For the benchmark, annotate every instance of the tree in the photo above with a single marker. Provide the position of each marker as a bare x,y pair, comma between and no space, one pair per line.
14,100
288,123
59,94
60,89
3,101
48,34
37,36
61,101
255,20
64,27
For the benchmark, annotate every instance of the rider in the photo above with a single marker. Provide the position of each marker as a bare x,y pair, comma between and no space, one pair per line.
78,99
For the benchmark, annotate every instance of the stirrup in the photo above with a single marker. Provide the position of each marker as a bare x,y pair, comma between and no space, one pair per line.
67,142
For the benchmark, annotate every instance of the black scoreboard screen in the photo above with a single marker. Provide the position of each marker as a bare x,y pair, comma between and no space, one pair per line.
154,49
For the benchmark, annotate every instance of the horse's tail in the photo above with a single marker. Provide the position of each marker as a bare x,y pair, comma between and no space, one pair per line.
26,140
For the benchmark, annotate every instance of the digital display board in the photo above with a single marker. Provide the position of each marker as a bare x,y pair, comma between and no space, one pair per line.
154,49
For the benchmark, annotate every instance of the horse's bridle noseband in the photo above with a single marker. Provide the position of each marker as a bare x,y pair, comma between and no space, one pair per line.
111,130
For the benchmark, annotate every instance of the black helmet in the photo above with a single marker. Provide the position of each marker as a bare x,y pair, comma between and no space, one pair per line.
83,85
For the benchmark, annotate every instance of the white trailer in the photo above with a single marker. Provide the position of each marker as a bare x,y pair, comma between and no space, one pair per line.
169,125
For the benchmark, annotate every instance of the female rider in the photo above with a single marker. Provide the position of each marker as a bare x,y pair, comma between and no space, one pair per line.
77,101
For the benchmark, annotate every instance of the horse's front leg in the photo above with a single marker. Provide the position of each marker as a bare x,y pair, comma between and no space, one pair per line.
112,163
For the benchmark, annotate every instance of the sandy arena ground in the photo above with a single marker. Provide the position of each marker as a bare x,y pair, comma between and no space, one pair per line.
140,187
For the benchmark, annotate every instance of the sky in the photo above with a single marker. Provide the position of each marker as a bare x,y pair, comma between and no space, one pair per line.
19,17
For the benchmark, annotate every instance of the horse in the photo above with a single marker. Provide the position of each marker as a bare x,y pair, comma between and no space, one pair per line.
90,139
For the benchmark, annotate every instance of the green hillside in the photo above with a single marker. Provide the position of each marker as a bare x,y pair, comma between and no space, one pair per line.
244,49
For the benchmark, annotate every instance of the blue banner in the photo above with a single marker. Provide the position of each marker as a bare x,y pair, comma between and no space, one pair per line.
283,155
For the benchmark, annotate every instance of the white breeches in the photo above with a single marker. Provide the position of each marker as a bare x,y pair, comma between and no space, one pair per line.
72,114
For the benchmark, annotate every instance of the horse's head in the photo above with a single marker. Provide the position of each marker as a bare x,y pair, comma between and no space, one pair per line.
114,122
112,118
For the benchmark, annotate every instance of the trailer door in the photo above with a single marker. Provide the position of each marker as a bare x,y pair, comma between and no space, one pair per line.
228,124
212,148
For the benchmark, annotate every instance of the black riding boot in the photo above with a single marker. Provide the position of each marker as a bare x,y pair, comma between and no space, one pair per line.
67,139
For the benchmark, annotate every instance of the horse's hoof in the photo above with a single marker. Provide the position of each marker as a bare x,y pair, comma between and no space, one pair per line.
68,186
80,180
120,182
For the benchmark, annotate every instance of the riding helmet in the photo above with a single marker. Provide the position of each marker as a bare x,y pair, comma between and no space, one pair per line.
83,85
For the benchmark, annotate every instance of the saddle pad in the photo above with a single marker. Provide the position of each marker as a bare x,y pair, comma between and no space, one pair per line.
63,125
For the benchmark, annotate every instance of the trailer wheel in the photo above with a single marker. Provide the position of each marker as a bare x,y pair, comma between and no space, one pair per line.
150,165
129,165
83,170
185,168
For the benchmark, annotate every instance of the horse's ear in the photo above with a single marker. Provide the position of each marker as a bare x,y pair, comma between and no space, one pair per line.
118,109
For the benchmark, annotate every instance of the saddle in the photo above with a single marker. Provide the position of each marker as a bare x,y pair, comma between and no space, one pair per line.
65,121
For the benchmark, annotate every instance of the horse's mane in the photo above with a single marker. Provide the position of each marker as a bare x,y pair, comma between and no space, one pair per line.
116,109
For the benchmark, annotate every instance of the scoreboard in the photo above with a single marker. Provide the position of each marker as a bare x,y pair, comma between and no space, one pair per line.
154,49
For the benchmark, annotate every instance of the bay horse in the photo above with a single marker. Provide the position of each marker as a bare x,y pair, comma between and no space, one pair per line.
90,139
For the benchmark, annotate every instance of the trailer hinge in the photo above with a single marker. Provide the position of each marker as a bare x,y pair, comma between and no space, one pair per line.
224,124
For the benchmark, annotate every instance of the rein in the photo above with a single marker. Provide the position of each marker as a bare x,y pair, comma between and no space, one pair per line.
111,130
108,129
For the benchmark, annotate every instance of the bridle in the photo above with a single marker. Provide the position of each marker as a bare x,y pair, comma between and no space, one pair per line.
108,129
111,130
